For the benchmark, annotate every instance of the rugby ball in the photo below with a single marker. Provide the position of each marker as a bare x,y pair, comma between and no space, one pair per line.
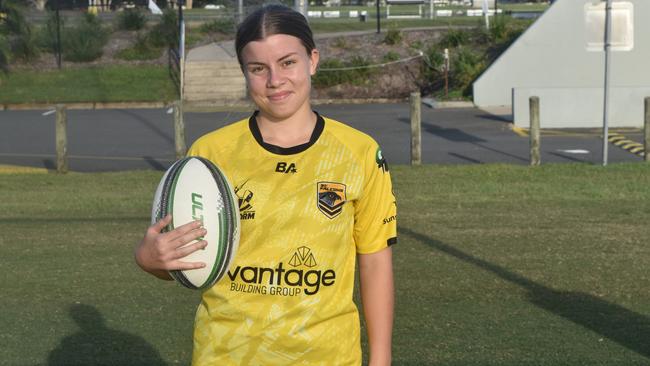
194,188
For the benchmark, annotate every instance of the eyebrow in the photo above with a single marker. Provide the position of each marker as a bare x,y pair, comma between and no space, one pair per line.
279,60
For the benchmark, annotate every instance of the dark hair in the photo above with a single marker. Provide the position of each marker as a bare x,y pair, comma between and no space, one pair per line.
270,20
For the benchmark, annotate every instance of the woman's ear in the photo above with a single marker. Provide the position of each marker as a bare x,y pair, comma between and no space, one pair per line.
314,58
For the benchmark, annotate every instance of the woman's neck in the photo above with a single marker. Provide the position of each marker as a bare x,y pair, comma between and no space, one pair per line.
289,132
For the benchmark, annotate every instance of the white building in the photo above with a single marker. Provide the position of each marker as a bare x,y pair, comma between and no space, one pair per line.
561,59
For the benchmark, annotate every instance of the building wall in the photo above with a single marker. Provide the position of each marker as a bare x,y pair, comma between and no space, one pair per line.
552,56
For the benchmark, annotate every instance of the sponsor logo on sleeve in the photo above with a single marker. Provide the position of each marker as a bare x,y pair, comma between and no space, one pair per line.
330,198
381,161
245,197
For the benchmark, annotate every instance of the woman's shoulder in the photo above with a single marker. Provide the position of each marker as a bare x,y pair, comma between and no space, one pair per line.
349,135
222,135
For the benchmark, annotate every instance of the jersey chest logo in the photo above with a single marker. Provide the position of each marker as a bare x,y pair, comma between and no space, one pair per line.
331,198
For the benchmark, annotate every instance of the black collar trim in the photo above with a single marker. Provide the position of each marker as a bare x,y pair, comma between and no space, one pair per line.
255,130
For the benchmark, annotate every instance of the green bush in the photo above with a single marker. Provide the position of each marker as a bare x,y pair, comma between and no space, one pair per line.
391,56
466,66
357,74
131,20
85,41
4,54
393,37
165,32
223,26
141,50
455,38
19,41
46,38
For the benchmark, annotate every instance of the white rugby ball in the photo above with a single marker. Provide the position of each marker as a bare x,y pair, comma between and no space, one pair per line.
194,188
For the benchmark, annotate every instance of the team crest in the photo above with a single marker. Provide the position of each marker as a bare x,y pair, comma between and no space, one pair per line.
331,198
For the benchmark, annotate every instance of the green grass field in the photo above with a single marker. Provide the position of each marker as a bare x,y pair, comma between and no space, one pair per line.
495,265
88,84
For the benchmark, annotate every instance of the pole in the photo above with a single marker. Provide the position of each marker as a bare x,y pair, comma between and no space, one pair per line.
431,9
416,121
378,25
179,130
533,103
58,34
181,50
646,128
446,56
608,34
61,137
240,10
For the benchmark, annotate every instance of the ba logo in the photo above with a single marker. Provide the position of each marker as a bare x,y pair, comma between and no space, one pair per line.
381,161
331,198
282,167
245,196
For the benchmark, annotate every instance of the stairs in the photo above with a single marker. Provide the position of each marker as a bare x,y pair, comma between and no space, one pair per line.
213,77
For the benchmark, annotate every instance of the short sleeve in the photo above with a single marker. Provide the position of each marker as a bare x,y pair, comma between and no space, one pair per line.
375,211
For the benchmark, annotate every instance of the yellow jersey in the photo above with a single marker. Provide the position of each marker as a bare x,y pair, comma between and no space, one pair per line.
306,211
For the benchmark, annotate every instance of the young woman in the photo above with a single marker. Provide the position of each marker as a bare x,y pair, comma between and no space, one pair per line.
315,196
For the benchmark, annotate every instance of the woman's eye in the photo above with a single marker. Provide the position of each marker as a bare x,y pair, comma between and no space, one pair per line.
255,69
287,63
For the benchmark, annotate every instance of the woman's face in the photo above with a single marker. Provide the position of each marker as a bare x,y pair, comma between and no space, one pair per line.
278,72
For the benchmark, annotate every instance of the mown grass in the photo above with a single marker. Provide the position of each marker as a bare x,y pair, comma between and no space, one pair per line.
88,84
495,265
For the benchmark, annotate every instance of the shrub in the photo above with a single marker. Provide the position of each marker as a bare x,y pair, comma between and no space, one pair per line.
455,38
47,33
165,33
223,26
391,56
466,66
4,54
357,74
393,37
131,20
141,50
85,41
417,45
18,37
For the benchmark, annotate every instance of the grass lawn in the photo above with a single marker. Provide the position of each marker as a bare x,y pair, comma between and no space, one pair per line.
495,265
88,84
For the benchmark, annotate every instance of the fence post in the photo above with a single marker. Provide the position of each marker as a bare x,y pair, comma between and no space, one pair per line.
416,121
534,131
61,139
179,130
646,127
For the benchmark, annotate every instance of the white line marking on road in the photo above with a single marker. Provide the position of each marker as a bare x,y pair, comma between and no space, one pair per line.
170,111
49,112
574,151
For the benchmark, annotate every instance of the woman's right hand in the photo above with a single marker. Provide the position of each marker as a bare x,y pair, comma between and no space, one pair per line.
159,252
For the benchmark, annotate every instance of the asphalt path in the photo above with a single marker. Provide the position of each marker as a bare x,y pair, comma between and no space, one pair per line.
128,139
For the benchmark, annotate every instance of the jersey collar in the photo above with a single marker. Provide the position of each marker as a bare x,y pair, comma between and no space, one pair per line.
255,130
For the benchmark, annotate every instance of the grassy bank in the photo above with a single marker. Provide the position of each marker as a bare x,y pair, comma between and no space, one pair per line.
495,265
88,84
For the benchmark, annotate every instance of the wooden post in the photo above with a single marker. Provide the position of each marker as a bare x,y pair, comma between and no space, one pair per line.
61,139
534,131
179,130
416,121
646,127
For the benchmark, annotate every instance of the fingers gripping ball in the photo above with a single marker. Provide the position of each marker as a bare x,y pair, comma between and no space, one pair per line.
192,189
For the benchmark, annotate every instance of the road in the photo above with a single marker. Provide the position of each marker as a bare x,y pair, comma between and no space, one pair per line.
127,139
